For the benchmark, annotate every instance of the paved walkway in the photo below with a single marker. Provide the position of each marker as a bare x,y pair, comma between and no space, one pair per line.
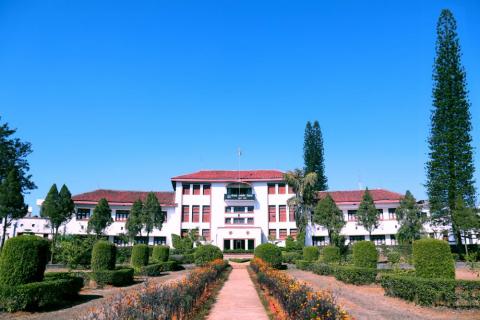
238,299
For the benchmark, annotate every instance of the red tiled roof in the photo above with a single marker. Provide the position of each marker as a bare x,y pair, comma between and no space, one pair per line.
123,197
378,195
232,175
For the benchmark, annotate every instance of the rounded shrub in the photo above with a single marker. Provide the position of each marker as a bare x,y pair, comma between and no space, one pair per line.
393,257
331,254
103,256
432,259
139,256
269,253
207,253
161,253
310,253
23,260
365,254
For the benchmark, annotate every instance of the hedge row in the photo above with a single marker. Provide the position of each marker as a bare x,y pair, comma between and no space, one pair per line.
310,253
118,277
304,265
432,259
291,256
433,292
103,256
347,274
155,269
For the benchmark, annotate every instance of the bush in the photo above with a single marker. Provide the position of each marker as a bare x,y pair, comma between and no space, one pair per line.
322,269
152,270
432,259
119,277
36,295
355,275
393,257
160,253
103,256
75,251
139,256
365,254
238,251
207,253
269,253
182,245
291,256
123,255
433,292
303,265
330,254
23,260
171,266
310,253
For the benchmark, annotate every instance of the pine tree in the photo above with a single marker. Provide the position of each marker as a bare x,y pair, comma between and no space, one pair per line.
328,215
134,223
12,205
152,216
450,167
367,214
313,154
466,220
410,218
101,218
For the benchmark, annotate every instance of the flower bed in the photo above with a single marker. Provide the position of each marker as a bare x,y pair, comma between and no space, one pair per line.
298,300
178,300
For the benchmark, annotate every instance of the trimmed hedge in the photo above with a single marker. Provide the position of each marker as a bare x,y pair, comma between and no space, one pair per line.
310,253
291,256
269,253
322,269
433,292
183,258
152,270
206,254
304,265
330,254
139,257
365,254
160,253
103,256
36,295
118,278
355,275
23,260
432,259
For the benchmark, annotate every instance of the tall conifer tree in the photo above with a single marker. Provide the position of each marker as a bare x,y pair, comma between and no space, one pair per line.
313,154
450,166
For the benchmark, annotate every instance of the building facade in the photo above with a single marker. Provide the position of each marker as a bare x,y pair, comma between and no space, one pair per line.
230,209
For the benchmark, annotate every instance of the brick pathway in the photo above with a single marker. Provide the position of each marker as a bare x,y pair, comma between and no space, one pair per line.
238,299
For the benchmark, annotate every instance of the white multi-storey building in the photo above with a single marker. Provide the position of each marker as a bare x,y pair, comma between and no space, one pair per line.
231,209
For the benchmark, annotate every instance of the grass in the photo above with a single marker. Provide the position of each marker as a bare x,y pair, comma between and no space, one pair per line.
261,295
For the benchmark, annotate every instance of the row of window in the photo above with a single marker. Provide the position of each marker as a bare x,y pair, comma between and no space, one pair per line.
352,214
237,209
120,215
377,239
282,188
282,214
282,233
238,220
121,241
197,189
205,233
195,213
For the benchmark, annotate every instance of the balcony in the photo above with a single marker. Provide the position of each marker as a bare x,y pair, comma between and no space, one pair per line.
242,197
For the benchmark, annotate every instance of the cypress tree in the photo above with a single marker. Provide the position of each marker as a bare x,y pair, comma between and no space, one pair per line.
450,167
328,215
367,213
134,222
411,219
313,154
101,217
152,215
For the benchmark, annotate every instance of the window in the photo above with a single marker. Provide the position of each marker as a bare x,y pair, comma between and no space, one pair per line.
318,241
195,213
352,215
228,220
393,240
290,190
141,240
238,221
185,213
249,220
206,234
251,244
83,214
283,234
206,189
378,239
196,189
159,241
271,188
282,211
250,209
226,244
391,214
380,214
185,189
206,214
281,188
120,241
354,239
272,214
291,214
238,209
228,209
293,233
121,215
272,233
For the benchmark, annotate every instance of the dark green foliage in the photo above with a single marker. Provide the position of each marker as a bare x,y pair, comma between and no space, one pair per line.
139,256
269,253
355,275
393,257
238,251
101,217
310,253
432,292
134,222
367,213
330,254
123,255
322,269
291,256
240,260
411,219
183,258
152,216
103,256
160,253
182,245
303,264
450,168
152,270
75,251
118,277
313,154
365,254
23,260
207,253
328,215
294,245
432,259
34,295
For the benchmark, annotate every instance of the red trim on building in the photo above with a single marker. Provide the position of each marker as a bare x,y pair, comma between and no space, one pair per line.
232,175
355,196
117,197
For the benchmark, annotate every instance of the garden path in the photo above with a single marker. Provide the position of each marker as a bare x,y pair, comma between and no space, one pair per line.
369,301
238,299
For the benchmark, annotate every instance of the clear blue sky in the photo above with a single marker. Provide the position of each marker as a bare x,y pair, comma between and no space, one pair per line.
126,94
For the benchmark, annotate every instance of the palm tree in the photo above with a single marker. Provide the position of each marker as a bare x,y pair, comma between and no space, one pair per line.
305,196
